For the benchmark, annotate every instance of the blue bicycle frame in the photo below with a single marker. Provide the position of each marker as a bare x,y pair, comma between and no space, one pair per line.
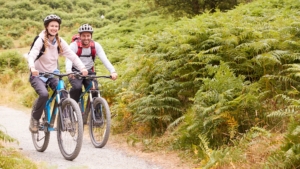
60,88
69,125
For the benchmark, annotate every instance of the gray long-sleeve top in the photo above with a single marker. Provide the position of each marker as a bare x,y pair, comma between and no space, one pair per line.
88,61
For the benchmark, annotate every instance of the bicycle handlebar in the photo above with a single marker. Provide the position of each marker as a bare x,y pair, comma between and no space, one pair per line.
79,75
49,74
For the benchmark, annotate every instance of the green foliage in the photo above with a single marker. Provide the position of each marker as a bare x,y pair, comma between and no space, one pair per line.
4,137
13,60
82,12
15,33
224,157
28,98
288,155
6,43
218,81
193,7
85,5
216,109
25,5
11,158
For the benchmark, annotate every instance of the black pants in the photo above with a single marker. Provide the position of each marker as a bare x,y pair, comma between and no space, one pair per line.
76,89
41,89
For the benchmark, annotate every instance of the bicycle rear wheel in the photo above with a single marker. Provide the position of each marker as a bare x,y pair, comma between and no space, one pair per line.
70,139
100,128
41,138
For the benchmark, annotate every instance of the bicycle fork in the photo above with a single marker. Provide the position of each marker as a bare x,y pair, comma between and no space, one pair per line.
66,117
93,109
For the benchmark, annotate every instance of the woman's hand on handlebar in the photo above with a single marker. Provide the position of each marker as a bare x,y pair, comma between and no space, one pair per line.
34,72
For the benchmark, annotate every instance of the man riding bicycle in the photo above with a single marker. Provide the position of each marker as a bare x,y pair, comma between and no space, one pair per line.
86,49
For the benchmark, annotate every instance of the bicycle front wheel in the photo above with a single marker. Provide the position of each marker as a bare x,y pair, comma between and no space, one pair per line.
41,138
70,136
99,123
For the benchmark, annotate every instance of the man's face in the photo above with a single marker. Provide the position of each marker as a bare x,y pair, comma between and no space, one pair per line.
85,38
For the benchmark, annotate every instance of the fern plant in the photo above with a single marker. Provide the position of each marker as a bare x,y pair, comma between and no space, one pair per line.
289,153
213,112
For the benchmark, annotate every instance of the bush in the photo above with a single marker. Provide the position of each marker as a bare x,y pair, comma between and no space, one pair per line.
25,5
16,84
10,59
16,33
29,97
103,2
116,15
6,43
86,5
7,76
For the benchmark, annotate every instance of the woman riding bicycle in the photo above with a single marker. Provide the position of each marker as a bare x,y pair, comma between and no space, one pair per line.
54,46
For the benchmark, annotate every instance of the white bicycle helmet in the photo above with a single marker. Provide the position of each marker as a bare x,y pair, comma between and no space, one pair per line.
85,28
50,18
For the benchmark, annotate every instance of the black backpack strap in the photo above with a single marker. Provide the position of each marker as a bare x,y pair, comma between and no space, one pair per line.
41,52
42,49
34,42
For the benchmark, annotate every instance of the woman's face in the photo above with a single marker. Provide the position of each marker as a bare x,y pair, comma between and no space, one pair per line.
53,28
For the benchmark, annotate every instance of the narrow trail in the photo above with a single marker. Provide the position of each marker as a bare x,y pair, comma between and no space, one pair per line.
16,122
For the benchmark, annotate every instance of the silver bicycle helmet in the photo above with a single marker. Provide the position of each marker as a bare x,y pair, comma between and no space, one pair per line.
85,28
50,18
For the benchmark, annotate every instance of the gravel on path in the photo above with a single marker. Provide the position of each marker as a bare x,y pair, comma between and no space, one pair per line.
16,123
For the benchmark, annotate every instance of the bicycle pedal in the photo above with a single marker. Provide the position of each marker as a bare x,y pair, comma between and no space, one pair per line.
98,122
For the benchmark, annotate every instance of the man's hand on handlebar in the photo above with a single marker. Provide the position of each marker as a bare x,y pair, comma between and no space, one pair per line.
114,75
84,72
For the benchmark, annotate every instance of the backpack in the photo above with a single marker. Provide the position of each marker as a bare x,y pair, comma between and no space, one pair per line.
42,49
92,46
76,38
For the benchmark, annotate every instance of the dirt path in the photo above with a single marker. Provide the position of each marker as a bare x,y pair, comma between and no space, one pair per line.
113,156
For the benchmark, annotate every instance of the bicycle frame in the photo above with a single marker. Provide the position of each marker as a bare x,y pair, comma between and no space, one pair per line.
90,97
68,125
57,97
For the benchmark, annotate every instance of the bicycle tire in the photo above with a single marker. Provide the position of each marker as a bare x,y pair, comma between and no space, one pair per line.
74,129
99,133
41,138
